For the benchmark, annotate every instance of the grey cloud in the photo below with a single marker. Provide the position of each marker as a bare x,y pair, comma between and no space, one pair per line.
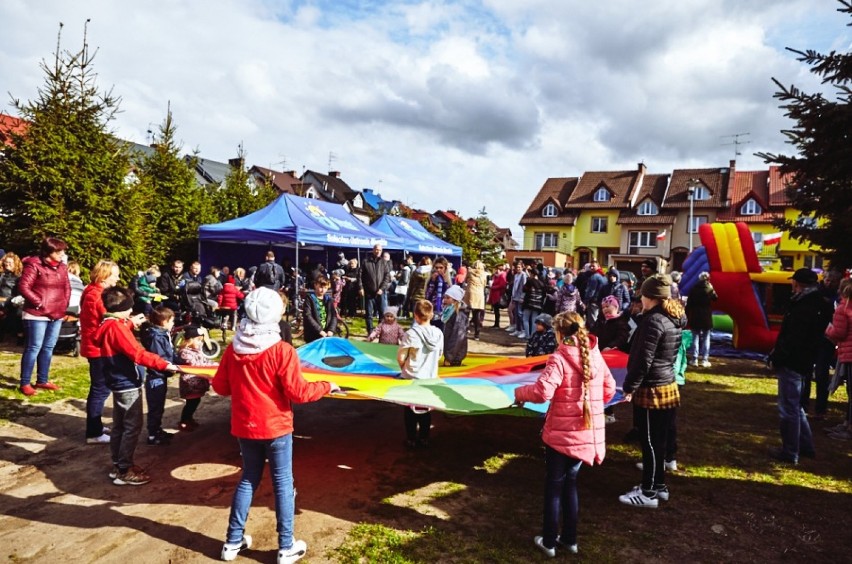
463,113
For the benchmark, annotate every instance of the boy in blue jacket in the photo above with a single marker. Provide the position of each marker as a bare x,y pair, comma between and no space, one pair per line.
121,352
157,340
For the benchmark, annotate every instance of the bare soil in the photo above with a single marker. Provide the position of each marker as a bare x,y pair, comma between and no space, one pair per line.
57,503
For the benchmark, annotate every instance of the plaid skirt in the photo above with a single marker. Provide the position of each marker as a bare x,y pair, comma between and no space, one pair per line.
660,397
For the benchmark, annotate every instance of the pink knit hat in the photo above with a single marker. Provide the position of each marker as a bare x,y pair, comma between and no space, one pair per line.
611,300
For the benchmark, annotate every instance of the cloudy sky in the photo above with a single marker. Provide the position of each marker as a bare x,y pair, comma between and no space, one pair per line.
441,104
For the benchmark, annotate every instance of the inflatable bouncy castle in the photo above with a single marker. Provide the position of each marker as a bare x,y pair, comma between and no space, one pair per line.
754,298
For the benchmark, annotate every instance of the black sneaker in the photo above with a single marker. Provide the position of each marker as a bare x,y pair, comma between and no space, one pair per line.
160,439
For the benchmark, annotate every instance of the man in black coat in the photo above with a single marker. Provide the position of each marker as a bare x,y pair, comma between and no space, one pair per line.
793,360
375,280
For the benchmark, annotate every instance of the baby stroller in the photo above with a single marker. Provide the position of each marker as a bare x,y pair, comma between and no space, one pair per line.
69,333
196,311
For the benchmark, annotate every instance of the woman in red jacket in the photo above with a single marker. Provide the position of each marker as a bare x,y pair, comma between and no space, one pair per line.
578,384
104,275
46,289
262,375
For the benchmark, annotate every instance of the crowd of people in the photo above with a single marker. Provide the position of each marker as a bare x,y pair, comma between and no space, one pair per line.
570,316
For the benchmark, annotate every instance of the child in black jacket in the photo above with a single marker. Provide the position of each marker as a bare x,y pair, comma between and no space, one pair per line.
157,339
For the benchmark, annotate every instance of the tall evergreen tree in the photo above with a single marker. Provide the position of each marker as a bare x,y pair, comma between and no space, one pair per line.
239,194
65,174
456,233
484,241
821,172
178,204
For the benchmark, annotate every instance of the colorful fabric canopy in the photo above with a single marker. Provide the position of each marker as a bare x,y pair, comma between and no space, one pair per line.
483,384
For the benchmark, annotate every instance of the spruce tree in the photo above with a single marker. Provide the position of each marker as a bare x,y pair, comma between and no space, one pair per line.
239,194
821,171
65,175
456,233
484,241
178,204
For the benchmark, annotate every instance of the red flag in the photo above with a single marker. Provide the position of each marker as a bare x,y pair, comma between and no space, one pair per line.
661,236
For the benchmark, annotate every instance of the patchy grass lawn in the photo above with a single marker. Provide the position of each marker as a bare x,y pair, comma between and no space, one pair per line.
729,500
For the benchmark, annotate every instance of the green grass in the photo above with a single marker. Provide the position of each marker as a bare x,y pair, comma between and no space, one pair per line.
69,373
730,501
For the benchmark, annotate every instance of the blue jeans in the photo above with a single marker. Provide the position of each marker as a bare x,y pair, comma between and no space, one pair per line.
255,452
374,305
41,337
98,394
796,435
126,426
519,316
560,495
701,344
529,321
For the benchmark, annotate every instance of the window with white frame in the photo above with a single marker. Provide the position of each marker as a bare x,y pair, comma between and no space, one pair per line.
696,221
643,239
701,193
601,195
751,207
647,208
545,240
549,210
599,224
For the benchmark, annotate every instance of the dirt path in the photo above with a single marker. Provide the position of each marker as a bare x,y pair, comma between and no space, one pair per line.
57,504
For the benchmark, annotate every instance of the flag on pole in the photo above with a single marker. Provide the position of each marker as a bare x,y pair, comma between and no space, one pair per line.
772,238
661,236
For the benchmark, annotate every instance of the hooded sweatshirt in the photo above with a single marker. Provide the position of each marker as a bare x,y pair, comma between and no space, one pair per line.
262,387
420,350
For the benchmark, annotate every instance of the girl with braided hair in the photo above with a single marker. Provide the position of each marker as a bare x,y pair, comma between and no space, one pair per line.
578,384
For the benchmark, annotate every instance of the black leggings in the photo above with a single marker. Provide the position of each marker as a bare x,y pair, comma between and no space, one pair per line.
189,409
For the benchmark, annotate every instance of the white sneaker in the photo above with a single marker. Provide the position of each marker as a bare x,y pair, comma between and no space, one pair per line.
511,329
102,440
636,498
230,551
695,363
549,552
293,553
671,466
521,335
705,364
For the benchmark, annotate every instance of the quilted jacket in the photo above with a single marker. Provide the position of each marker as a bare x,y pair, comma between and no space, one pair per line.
840,331
561,383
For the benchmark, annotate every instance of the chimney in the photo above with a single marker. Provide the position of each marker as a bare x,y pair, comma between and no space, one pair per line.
334,173
237,163
642,169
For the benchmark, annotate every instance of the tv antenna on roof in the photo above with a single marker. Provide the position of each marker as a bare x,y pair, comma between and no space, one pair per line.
331,158
736,142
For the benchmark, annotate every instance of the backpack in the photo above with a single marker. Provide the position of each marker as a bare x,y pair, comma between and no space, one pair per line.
265,275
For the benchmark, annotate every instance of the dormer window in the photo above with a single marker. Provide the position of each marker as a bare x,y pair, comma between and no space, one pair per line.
601,195
751,207
647,208
701,193
549,210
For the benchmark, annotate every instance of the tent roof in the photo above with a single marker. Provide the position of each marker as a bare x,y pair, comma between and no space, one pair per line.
416,238
291,220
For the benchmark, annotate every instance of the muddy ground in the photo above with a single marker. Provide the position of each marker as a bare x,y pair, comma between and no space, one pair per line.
57,504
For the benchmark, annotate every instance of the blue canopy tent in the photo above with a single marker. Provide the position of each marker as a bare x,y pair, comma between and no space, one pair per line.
289,222
416,238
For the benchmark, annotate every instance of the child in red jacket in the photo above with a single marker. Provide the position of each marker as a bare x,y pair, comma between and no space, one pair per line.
121,352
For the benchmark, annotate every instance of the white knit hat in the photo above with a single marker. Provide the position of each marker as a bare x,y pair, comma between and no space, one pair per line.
264,306
455,292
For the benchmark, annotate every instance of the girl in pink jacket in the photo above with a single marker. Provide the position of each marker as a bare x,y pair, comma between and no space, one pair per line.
578,384
839,332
